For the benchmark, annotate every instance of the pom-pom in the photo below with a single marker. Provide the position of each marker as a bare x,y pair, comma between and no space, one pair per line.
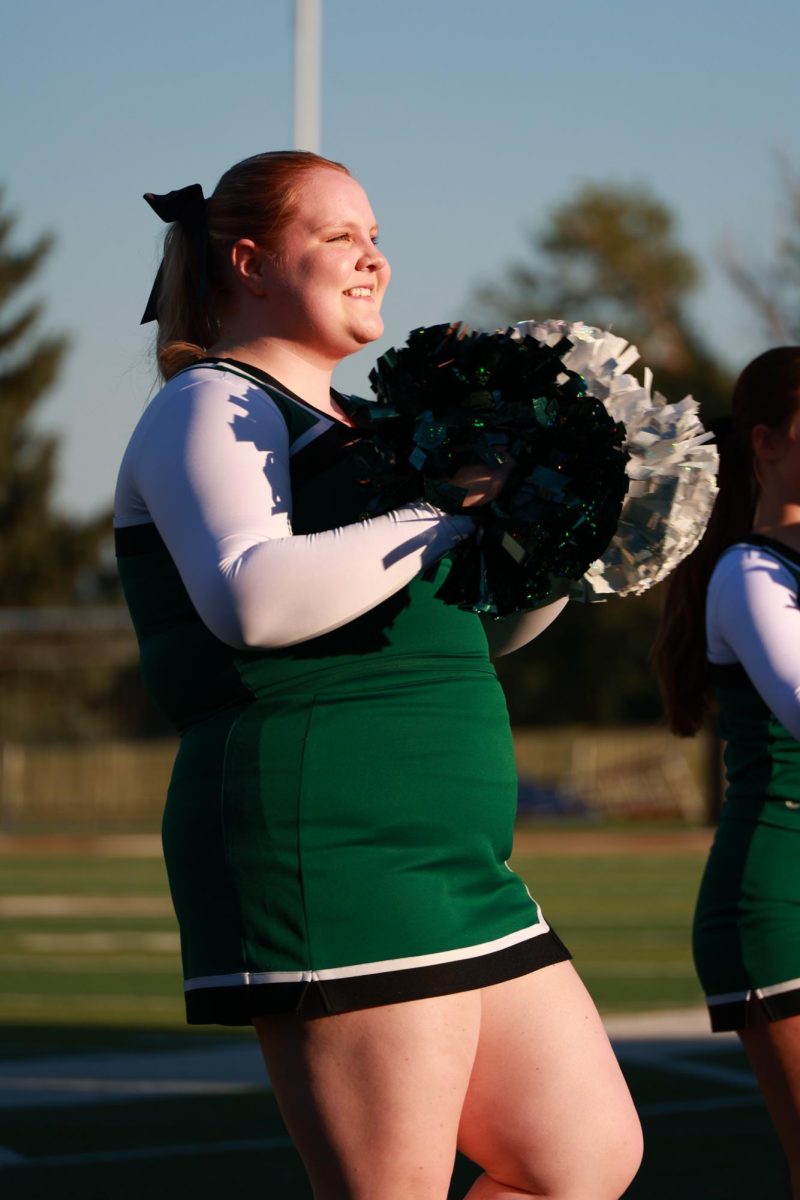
672,468
451,398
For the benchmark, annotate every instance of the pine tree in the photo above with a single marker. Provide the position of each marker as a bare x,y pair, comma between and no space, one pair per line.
45,557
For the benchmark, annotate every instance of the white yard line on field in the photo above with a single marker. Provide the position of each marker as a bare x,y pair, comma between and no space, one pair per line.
114,1078
95,941
51,905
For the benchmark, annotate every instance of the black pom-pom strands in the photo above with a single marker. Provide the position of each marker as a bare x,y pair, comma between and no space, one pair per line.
451,397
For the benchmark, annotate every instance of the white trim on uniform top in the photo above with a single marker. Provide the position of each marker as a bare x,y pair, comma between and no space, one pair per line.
310,435
775,989
248,978
324,422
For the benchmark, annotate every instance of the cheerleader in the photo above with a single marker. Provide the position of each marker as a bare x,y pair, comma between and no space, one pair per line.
731,627
340,813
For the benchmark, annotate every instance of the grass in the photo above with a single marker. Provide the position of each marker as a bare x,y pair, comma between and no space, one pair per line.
102,979
626,920
104,969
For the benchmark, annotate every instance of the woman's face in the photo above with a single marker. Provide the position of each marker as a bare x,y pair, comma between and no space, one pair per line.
325,285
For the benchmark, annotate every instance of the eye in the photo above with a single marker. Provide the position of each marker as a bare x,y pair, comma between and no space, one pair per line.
340,237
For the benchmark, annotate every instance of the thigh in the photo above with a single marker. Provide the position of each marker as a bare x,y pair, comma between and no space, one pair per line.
372,1098
547,1109
773,1048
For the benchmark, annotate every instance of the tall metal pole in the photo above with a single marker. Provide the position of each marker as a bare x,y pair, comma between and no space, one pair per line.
307,68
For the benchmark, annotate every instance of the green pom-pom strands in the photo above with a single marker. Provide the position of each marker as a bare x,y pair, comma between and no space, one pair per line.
452,397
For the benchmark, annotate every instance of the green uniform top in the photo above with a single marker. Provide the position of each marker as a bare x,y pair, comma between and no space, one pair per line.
753,630
192,674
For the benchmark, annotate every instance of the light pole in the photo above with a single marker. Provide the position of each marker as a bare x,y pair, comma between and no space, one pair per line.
307,66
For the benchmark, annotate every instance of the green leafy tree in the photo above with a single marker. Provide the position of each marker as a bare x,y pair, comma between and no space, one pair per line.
45,557
607,256
591,667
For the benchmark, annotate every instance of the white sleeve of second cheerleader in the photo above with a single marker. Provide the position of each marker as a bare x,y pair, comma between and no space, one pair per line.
753,618
215,480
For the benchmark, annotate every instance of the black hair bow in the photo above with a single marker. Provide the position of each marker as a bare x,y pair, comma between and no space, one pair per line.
187,206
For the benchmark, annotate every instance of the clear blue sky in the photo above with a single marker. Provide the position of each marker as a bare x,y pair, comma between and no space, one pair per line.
466,121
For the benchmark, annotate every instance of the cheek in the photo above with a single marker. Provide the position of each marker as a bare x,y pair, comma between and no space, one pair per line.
384,275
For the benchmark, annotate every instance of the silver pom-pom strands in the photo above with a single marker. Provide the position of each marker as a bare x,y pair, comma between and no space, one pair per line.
672,467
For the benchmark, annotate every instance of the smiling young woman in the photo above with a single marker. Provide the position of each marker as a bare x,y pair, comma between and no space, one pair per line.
318,299
341,809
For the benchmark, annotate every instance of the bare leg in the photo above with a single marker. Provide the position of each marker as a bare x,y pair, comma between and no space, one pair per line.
373,1098
521,1074
773,1048
547,1112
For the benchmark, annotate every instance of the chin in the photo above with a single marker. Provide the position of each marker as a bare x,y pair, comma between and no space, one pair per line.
370,334
356,339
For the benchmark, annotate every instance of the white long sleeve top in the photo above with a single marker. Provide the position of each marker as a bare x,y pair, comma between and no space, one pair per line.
209,465
753,618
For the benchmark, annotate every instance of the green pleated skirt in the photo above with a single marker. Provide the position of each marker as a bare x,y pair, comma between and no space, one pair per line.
343,844
746,935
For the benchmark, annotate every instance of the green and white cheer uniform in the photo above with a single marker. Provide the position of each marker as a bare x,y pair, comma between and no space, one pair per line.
341,807
747,922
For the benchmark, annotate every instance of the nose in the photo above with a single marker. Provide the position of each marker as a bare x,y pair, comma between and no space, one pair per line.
371,260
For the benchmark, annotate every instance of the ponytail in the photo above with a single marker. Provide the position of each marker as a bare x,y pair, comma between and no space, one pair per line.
254,199
186,326
679,652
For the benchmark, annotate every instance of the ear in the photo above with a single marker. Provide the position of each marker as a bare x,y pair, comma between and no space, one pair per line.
249,262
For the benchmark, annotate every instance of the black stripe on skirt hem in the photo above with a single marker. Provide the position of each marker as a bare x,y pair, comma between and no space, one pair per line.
781,1005
239,1005
737,1014
729,1016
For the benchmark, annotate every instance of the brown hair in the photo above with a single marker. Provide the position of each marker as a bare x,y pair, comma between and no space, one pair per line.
254,199
766,393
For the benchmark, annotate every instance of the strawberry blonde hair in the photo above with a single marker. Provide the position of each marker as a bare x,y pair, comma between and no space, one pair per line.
254,199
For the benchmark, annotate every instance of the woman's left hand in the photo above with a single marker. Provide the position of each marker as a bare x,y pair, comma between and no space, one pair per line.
482,483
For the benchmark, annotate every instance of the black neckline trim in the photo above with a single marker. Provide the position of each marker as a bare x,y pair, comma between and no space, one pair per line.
271,381
761,539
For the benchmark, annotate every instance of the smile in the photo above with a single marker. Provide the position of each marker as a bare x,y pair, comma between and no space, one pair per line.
360,292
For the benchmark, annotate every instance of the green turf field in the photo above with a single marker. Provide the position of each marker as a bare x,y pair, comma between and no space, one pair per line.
626,920
94,939
89,966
